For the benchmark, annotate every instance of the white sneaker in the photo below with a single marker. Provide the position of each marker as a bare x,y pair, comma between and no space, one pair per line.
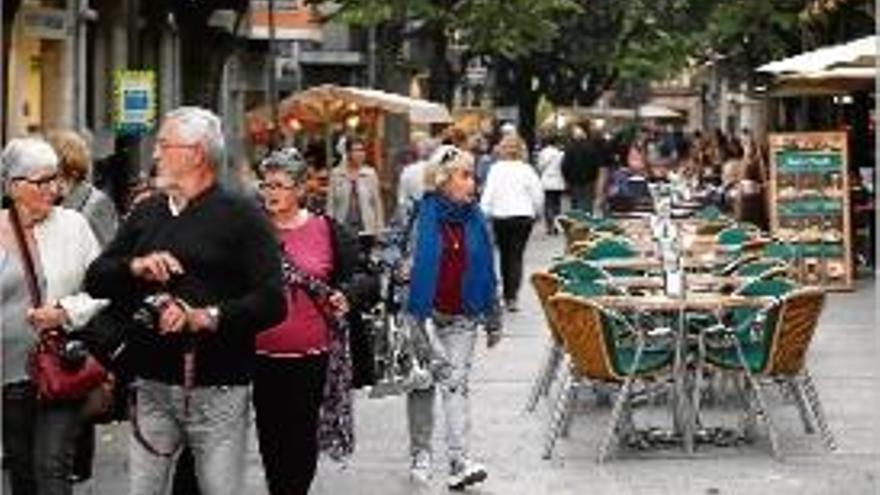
420,467
463,474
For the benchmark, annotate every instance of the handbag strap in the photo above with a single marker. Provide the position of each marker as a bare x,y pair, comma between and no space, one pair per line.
30,271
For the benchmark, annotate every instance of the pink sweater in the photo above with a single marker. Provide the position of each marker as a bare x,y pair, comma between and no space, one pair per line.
304,330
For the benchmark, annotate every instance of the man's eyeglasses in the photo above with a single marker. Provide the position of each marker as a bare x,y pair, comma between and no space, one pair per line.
41,182
164,145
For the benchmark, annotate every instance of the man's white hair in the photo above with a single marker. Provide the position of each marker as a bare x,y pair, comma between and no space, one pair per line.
198,125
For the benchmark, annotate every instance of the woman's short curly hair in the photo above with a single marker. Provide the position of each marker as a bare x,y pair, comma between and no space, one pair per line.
74,157
288,160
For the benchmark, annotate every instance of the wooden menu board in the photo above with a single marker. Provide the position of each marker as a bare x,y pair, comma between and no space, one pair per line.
810,205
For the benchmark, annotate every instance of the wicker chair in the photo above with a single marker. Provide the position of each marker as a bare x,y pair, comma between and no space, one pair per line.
602,347
546,285
574,280
573,230
772,345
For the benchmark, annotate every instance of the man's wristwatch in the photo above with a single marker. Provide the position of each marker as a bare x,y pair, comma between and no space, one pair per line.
214,314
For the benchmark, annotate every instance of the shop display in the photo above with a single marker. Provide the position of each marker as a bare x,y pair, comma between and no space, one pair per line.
809,198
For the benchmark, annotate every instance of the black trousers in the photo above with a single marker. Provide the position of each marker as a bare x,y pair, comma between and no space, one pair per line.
552,209
84,456
287,399
511,236
38,441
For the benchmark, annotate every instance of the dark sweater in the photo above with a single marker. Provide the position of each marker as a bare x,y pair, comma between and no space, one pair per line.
582,160
230,259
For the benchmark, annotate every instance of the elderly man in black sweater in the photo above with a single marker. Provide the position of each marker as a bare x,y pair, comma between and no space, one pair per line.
200,268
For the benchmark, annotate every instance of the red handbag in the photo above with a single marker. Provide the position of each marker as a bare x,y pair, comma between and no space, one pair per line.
56,376
56,380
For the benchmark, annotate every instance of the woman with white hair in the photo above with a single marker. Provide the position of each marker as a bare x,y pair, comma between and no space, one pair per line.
47,249
452,287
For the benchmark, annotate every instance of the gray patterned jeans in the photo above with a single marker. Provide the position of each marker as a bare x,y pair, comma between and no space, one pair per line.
216,430
457,335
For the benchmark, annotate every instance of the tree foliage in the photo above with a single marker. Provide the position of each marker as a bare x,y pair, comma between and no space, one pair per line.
504,27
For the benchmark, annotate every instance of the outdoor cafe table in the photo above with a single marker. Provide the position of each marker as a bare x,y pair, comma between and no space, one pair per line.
653,263
694,281
684,410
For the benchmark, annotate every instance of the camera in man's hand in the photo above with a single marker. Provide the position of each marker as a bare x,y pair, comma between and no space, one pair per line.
148,314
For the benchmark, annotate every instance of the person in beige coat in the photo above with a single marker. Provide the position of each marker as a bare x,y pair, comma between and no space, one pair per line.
354,198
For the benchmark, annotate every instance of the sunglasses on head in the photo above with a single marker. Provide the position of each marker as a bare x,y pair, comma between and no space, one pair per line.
449,155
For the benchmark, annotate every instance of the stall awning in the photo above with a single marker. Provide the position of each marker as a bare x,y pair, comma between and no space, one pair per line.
321,102
858,53
418,111
648,111
328,104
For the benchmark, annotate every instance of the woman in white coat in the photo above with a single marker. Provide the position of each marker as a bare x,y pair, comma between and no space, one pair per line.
513,199
38,437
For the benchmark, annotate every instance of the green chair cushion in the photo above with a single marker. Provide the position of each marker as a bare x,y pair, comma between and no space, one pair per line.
578,270
710,212
726,357
652,359
733,236
609,248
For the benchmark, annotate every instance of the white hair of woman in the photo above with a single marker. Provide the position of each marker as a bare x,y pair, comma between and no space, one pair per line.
23,156
198,125
443,162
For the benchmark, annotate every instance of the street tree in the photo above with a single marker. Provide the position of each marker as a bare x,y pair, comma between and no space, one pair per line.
508,28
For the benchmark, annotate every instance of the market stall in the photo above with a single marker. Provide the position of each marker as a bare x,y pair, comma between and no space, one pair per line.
328,111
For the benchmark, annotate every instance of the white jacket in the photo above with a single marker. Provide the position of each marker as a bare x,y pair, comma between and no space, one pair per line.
550,166
67,247
513,189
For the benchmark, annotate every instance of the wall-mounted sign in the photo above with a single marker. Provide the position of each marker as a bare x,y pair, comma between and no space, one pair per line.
134,101
52,24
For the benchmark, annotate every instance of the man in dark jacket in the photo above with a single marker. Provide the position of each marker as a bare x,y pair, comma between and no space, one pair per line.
198,269
584,169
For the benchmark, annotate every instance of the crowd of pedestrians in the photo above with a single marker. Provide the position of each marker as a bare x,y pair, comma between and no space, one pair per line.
223,303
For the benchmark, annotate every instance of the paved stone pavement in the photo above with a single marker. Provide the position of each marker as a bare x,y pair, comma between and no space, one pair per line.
844,360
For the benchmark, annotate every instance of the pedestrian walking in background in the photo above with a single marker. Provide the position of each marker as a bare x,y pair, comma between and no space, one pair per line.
584,167
354,198
412,179
76,188
452,288
196,269
550,167
79,194
513,200
306,355
48,250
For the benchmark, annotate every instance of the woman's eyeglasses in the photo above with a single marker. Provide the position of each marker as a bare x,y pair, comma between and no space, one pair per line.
275,186
41,182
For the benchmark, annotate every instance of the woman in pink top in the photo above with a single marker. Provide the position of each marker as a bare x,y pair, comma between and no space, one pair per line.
303,373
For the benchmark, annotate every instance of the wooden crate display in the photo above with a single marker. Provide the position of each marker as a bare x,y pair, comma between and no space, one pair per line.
810,204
